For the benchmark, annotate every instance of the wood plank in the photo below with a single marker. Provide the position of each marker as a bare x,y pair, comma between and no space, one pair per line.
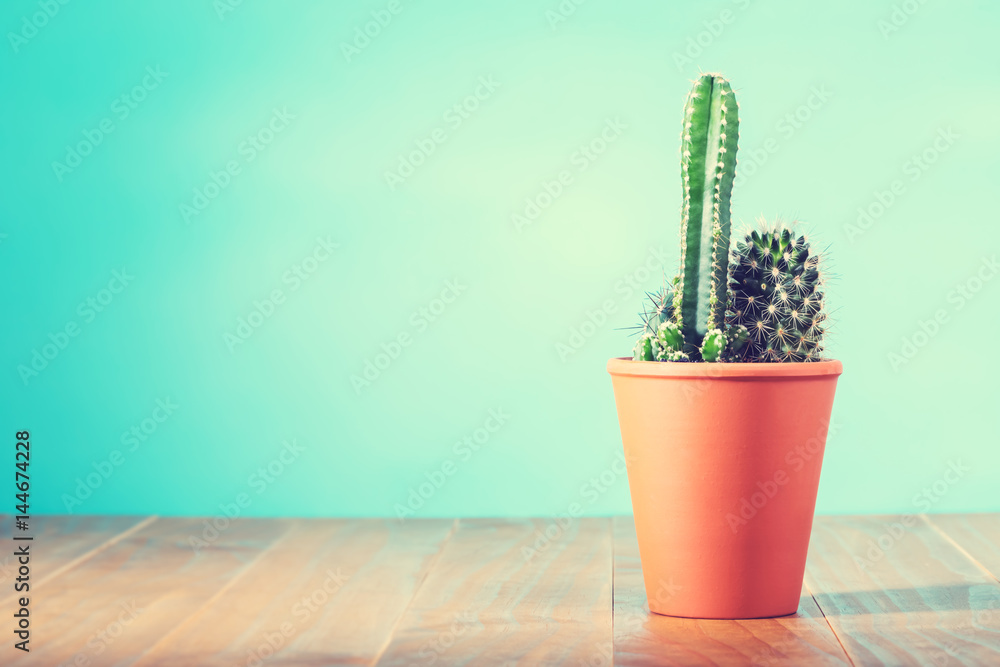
929,595
330,592
642,638
115,605
897,592
977,534
502,594
61,542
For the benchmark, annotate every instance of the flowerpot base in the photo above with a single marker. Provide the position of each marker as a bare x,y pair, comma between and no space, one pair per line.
726,617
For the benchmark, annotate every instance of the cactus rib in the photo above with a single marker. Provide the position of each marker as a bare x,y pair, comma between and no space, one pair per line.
708,167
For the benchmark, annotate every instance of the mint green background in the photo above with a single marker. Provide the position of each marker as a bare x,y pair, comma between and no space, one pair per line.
496,345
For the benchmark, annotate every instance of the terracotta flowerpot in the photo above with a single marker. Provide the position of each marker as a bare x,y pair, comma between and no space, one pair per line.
723,467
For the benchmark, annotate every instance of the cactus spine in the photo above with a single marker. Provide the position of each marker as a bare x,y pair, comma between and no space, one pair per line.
708,166
777,295
660,338
662,310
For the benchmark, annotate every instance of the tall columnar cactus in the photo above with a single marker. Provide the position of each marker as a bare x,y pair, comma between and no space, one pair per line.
777,295
708,166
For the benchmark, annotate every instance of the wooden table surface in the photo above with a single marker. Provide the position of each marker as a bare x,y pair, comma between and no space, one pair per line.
115,590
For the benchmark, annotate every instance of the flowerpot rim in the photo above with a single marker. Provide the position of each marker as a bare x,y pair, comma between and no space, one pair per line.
680,369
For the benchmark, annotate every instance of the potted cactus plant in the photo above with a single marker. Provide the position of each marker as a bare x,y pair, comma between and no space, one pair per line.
725,403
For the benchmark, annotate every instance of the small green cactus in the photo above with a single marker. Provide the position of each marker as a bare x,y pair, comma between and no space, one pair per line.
713,346
777,295
643,350
665,345
669,337
662,310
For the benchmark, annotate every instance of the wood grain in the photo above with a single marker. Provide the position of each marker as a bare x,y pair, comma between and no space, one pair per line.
504,593
133,591
897,592
115,605
329,592
643,639
976,534
61,542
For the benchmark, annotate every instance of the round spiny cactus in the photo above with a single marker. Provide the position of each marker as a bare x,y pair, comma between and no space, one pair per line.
776,292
